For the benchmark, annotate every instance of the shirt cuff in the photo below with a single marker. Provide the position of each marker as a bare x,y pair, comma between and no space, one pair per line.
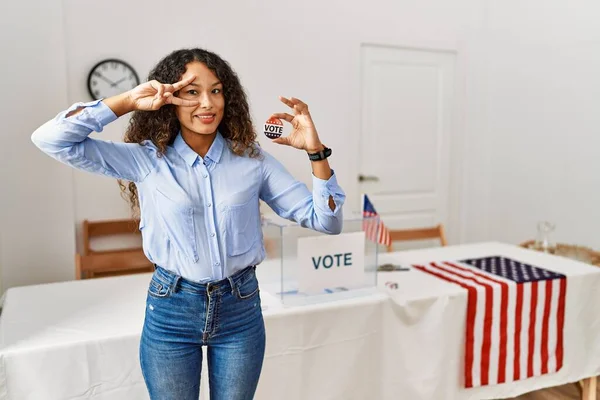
102,112
322,189
94,109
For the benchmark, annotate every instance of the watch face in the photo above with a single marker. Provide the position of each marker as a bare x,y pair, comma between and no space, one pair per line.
111,77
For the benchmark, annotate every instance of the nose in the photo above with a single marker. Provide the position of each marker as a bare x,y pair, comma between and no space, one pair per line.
205,101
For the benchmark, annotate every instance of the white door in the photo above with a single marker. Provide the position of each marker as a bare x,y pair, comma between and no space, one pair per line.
407,107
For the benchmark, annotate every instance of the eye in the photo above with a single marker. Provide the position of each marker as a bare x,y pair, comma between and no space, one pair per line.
192,92
216,91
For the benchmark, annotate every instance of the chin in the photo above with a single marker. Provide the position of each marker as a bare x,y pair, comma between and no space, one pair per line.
202,129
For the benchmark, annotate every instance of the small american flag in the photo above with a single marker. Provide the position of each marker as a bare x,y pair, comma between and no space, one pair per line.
374,228
515,318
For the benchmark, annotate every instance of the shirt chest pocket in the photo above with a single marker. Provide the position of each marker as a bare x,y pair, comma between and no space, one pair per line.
242,226
177,221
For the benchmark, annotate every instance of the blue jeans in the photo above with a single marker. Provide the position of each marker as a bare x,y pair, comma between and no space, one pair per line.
182,316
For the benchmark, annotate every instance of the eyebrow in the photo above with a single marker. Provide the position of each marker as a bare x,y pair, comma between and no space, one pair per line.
214,84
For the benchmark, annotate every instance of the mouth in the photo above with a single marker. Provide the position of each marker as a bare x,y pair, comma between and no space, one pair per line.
205,118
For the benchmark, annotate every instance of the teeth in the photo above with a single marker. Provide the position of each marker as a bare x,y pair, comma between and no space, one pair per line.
204,116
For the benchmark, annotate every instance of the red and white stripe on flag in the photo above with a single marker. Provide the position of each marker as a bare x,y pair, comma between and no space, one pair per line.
514,330
375,229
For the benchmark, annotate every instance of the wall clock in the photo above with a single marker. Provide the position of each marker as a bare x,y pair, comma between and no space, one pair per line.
111,77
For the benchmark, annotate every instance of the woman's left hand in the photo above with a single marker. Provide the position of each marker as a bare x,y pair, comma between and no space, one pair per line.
304,134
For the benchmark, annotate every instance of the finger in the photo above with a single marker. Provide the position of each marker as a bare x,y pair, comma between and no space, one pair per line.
291,105
300,106
297,101
300,109
160,91
156,104
289,118
155,85
183,83
181,102
286,101
282,140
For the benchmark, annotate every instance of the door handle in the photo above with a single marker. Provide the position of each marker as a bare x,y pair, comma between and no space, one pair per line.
363,178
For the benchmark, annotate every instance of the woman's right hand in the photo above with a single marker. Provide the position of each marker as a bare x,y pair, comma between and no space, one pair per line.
149,96
152,95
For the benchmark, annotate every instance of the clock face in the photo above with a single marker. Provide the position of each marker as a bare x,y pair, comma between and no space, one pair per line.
111,77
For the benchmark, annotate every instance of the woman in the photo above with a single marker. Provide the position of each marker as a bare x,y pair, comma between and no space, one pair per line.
196,173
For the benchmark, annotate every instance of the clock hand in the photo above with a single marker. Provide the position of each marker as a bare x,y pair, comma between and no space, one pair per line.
117,82
106,79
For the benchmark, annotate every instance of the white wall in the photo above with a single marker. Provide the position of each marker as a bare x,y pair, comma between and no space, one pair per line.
513,98
36,217
543,120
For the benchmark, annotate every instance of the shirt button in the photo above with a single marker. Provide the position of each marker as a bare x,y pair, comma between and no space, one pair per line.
205,176
212,234
217,263
208,205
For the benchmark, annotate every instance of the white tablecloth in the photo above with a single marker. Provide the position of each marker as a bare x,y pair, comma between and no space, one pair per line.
79,340
425,324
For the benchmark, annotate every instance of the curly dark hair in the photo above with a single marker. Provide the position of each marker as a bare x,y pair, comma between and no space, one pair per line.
162,126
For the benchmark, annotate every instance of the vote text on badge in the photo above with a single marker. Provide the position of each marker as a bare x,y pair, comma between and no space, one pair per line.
273,128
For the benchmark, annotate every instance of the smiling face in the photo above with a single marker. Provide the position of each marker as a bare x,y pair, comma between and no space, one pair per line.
203,119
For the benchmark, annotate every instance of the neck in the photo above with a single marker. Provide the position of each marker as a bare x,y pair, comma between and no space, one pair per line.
198,142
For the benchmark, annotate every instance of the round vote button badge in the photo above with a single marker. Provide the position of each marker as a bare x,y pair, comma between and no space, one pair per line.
273,128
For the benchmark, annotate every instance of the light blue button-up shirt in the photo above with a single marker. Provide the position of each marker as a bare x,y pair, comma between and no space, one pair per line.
199,216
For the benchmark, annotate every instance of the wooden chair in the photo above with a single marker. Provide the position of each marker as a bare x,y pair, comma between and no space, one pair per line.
588,388
436,232
99,263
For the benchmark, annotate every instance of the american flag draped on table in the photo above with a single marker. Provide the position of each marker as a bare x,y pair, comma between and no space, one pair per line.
374,228
515,317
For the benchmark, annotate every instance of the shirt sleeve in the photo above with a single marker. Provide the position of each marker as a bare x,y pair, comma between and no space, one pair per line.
66,139
292,200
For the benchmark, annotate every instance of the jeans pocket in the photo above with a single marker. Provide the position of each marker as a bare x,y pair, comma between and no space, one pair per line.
158,289
246,289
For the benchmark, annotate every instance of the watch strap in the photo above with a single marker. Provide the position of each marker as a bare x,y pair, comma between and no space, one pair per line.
320,155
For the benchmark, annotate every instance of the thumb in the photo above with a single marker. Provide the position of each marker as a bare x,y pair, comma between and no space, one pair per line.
282,140
156,102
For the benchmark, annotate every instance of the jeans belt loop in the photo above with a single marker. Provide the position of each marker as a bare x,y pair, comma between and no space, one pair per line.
231,284
174,284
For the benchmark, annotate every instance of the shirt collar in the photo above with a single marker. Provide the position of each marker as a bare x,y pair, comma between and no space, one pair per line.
190,156
216,149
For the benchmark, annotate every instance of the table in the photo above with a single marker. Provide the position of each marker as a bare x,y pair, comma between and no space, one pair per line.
430,312
79,339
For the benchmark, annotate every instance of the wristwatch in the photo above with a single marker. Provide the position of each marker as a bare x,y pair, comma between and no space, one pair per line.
321,155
